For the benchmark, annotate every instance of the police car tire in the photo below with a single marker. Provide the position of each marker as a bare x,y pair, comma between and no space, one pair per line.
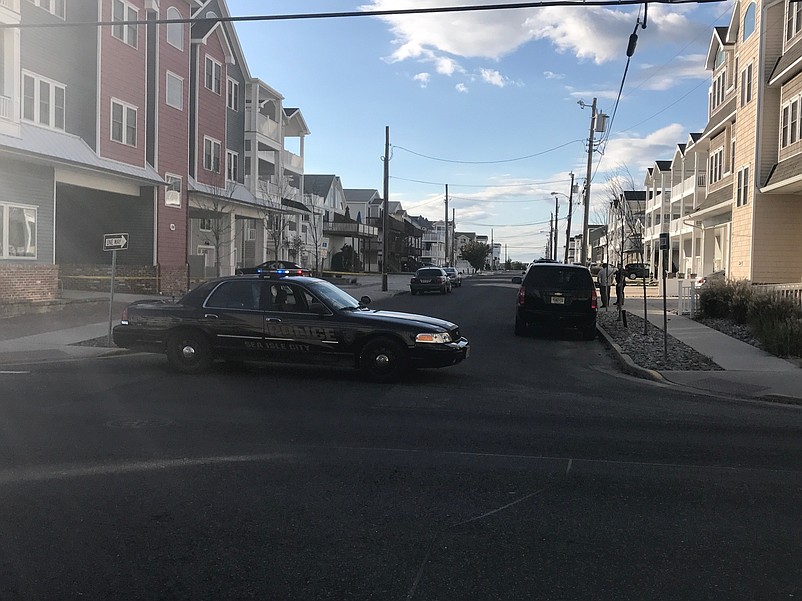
179,346
383,360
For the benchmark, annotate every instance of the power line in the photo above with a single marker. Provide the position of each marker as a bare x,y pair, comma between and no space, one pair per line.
529,156
347,14
441,184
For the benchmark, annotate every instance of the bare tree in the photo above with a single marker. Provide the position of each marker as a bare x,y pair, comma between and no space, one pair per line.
629,214
316,232
216,204
274,217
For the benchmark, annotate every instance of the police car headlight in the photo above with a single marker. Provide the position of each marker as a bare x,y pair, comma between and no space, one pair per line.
436,338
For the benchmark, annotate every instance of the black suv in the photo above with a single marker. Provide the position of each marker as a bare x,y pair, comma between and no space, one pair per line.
636,270
553,294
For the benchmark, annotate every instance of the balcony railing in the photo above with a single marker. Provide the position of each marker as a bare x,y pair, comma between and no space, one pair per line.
12,5
292,161
5,104
351,229
266,127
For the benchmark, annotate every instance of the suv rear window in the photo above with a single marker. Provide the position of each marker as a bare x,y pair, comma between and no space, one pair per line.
429,273
558,278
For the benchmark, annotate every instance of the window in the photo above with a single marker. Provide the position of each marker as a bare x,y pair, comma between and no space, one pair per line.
17,231
175,31
749,22
172,196
122,11
791,122
214,72
732,156
250,230
232,96
794,123
211,155
742,192
43,101
793,22
784,128
232,166
175,91
746,85
205,224
123,123
718,89
55,7
716,165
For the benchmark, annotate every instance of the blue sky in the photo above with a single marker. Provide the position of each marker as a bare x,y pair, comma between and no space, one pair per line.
467,95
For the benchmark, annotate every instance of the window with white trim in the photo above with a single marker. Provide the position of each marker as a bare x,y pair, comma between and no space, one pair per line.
232,94
43,101
742,187
749,22
175,31
250,230
175,91
718,89
17,231
716,165
793,128
732,156
172,195
793,19
123,123
791,122
232,166
54,7
122,12
746,85
211,154
214,73
205,225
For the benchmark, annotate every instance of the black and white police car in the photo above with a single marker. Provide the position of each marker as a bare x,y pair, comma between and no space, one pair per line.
275,318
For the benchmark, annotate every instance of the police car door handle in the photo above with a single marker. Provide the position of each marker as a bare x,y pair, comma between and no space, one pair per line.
275,319
210,316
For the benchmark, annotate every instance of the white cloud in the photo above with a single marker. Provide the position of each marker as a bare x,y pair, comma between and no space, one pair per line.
638,153
663,77
552,75
461,87
447,66
598,34
493,77
586,95
423,79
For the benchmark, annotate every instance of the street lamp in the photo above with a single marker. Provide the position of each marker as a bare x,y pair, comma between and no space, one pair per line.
568,227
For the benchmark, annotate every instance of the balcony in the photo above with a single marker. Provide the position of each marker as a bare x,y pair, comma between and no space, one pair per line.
265,126
9,6
5,105
292,161
356,230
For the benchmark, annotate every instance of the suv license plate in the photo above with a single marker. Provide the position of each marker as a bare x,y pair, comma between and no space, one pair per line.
557,300
425,281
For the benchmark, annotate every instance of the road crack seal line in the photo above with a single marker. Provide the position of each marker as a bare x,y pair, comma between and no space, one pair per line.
487,514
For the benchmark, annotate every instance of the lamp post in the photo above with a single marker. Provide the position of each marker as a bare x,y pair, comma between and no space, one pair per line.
570,198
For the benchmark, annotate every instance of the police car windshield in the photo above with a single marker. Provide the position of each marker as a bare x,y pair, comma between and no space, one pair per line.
333,296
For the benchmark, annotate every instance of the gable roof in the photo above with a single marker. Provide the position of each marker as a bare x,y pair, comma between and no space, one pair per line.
719,39
361,194
318,184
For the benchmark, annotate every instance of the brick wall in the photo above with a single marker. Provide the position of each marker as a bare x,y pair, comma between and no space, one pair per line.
34,282
174,280
134,279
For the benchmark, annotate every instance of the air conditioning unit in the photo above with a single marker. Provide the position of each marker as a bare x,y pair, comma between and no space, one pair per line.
172,198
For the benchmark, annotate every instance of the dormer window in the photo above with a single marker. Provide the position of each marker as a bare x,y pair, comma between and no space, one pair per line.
749,22
719,58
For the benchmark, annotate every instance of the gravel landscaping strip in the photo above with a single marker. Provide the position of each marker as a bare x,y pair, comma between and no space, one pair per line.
647,350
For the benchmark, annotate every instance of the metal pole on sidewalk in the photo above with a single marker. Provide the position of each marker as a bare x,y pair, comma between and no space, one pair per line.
111,292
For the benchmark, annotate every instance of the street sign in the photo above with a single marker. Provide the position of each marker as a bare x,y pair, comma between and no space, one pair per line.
664,241
115,241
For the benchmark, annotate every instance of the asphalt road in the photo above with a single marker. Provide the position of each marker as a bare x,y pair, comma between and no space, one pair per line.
534,470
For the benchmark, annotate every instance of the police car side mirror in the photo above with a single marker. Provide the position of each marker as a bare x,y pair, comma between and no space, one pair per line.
364,301
318,309
517,279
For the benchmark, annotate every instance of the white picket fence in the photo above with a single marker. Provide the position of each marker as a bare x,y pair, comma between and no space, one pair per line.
792,291
688,295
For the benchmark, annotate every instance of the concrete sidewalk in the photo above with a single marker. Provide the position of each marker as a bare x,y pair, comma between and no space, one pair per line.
749,371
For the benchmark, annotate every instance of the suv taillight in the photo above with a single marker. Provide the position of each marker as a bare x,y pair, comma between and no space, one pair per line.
521,295
124,316
593,299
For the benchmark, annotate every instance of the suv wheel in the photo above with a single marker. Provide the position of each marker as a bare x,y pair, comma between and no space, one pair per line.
383,360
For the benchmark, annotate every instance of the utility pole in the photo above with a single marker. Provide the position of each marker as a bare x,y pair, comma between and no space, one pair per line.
454,237
492,253
556,231
386,204
550,249
587,183
445,257
570,211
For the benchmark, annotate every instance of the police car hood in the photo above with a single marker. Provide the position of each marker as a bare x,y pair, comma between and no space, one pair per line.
408,319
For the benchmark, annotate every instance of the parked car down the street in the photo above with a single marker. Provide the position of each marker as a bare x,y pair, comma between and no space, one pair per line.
454,276
430,279
636,270
287,319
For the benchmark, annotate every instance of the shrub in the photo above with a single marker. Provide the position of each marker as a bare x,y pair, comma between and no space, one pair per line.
777,323
714,299
741,294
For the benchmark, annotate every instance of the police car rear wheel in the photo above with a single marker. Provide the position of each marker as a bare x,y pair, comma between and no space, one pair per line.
189,352
383,360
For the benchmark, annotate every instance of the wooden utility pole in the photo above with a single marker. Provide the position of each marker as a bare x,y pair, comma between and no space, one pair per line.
386,204
453,237
446,235
570,211
587,184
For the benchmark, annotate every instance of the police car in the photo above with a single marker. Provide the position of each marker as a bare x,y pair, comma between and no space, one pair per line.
292,319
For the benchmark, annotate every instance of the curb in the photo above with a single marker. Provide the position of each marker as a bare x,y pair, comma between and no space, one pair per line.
9,310
626,362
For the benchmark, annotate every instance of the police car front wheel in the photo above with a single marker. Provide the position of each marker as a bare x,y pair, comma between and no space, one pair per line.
383,360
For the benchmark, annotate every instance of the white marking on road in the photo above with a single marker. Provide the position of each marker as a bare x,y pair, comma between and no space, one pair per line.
568,469
65,472
14,372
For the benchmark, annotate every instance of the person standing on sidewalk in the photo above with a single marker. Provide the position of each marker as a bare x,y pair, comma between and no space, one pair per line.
620,283
603,278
